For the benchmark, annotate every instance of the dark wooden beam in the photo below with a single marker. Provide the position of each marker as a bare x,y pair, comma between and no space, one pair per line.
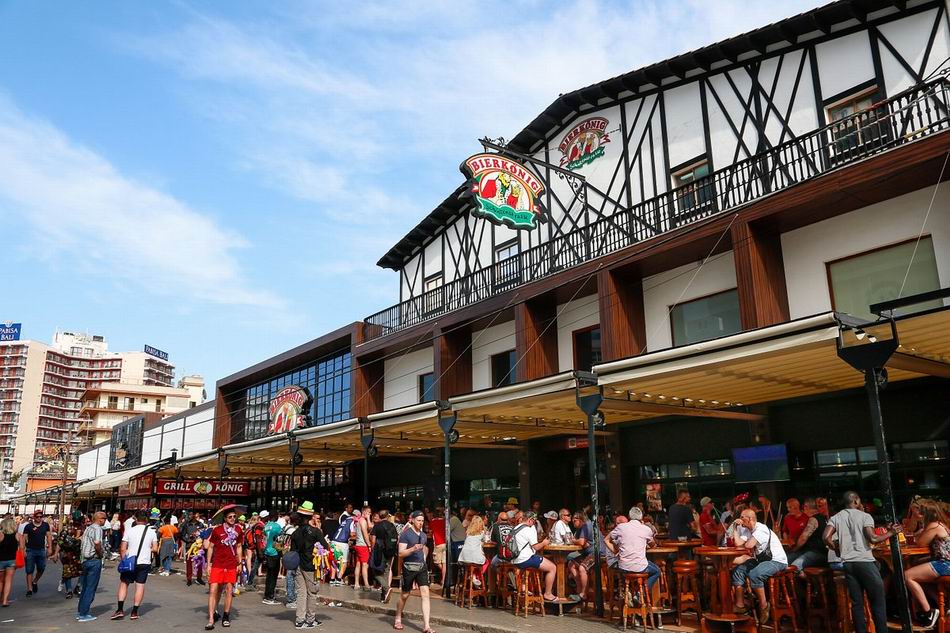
366,395
755,44
919,365
820,23
622,323
701,60
615,404
536,339
723,50
452,363
790,36
760,276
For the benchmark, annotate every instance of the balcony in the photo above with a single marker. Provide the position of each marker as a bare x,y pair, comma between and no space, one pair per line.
915,114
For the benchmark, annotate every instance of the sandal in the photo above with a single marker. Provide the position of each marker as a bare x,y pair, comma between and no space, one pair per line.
209,627
398,626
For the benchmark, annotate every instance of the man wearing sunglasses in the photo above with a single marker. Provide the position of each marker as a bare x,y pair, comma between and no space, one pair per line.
225,554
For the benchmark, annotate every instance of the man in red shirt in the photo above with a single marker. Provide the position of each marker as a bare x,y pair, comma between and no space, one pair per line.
225,554
794,522
710,528
437,527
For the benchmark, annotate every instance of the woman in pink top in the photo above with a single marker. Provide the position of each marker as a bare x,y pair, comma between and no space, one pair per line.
630,541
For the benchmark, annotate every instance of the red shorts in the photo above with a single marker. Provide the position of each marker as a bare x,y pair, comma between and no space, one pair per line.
362,554
219,576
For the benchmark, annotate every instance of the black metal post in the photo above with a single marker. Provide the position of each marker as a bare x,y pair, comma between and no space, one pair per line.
588,404
177,479
295,458
869,356
448,429
222,466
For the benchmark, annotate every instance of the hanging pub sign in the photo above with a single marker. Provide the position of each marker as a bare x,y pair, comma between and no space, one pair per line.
505,192
202,488
288,410
584,143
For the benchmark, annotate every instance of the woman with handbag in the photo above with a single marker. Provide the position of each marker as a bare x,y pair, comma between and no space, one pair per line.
9,561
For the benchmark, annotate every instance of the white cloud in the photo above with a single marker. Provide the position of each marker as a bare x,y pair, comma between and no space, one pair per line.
95,221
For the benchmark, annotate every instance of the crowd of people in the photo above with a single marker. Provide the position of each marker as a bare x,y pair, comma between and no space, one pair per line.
307,547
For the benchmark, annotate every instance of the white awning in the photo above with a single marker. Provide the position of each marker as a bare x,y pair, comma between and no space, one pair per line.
113,480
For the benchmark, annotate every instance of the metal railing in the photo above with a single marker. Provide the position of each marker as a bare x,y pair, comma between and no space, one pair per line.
907,117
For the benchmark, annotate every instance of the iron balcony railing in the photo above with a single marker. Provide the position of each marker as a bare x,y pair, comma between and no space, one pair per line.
909,116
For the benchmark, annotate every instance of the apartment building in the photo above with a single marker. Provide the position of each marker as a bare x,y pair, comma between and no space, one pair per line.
41,389
112,403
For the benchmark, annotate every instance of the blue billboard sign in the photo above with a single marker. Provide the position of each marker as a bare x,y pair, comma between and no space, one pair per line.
157,353
10,331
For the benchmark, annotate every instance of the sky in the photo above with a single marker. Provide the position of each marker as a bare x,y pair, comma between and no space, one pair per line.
218,179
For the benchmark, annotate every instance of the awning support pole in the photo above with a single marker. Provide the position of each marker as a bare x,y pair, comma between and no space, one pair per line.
223,471
366,439
295,458
870,358
588,404
447,424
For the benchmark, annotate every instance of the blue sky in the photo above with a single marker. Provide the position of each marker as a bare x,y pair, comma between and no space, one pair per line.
218,179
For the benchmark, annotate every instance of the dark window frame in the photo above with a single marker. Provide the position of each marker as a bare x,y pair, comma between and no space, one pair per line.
510,377
670,308
584,330
420,382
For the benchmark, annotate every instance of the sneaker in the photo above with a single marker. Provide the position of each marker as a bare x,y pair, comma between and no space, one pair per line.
86,618
929,620
200,581
304,625
118,615
269,601
764,613
29,592
36,588
291,605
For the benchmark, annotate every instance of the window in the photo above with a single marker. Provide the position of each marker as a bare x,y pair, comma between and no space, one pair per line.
706,318
130,404
426,383
857,282
697,189
432,300
158,405
113,402
855,123
503,369
507,263
587,348
144,400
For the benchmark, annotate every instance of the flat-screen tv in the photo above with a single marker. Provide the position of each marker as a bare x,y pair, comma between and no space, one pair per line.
768,462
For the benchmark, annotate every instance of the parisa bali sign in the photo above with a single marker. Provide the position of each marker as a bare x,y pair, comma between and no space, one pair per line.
287,410
10,331
584,143
505,192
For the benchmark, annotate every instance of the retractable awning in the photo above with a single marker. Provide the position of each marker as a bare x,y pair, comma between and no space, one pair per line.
790,360
112,480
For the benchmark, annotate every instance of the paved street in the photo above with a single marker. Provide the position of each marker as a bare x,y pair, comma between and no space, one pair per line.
168,604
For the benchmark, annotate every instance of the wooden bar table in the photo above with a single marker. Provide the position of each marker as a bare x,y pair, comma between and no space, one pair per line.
722,558
558,554
684,547
491,549
662,592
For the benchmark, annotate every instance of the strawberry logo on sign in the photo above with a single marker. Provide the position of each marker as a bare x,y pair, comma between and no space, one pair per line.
287,409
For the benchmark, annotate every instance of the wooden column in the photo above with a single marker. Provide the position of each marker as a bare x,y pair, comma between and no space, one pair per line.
222,421
366,395
760,276
615,472
622,324
536,339
452,363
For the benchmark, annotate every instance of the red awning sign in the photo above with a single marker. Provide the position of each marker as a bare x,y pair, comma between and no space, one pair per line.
202,488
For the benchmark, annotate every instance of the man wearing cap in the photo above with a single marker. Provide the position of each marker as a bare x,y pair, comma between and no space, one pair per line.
710,528
225,553
36,543
272,530
412,551
303,541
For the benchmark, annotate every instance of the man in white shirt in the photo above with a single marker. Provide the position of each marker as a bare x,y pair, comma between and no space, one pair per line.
526,541
562,534
140,540
765,559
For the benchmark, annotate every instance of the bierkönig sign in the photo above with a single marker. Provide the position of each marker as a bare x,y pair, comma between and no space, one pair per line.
505,192
288,410
202,488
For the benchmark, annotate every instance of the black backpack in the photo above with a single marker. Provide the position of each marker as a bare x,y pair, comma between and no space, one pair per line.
390,540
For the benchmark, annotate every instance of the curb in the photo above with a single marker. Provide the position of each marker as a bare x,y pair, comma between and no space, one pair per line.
408,614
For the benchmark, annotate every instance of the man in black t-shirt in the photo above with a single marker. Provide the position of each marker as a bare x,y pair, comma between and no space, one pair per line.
384,538
37,544
681,521
303,540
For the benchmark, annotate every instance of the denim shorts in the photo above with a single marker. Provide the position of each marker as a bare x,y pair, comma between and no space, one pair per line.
942,567
532,563
8,564
35,560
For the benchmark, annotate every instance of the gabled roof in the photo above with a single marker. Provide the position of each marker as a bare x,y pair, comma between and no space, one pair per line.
601,94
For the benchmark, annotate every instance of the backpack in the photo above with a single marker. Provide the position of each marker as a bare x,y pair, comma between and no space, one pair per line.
343,532
391,540
377,560
509,548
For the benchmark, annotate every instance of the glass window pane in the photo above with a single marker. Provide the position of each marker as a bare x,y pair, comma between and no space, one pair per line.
859,281
706,318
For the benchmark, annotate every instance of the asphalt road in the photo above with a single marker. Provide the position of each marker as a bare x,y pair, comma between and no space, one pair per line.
168,604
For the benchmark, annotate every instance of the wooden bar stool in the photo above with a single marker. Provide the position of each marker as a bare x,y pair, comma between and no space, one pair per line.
943,590
503,593
843,604
529,592
664,598
687,589
633,584
587,600
782,597
468,590
817,604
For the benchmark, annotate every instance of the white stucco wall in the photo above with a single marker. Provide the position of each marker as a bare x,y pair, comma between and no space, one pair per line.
572,316
805,251
662,291
401,382
485,343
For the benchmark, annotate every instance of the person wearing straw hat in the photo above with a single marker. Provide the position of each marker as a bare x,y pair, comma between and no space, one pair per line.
225,555
303,542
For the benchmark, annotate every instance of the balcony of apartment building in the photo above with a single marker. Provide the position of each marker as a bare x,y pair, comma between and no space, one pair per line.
910,118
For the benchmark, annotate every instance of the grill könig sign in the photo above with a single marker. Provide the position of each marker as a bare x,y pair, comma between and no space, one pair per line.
288,409
202,488
505,192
